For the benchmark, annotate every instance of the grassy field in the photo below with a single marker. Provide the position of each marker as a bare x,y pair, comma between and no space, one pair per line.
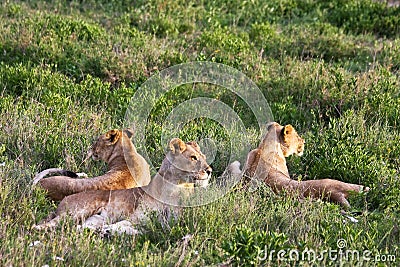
68,71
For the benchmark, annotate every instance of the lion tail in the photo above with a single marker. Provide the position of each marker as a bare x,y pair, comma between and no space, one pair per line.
57,171
364,188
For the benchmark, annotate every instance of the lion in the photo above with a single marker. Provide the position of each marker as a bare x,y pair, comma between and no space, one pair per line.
267,163
126,168
119,211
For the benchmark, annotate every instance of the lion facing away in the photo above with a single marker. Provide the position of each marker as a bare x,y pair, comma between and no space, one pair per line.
268,164
118,211
126,168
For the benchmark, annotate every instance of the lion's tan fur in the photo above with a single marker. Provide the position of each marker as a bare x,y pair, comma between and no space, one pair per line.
267,163
126,168
119,210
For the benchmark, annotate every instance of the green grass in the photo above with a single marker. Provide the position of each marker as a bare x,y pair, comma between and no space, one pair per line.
68,70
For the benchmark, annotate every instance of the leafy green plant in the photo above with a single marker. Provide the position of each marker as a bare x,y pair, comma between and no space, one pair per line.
251,248
365,16
3,158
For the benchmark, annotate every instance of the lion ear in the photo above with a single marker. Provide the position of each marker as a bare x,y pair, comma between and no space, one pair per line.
113,136
176,145
129,132
287,130
194,144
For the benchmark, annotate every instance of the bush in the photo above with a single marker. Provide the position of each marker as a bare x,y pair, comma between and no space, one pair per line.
361,17
252,248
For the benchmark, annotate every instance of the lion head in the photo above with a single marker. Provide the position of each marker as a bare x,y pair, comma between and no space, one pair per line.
105,144
290,141
185,164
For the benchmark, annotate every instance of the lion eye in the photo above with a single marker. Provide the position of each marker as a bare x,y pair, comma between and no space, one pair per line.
193,158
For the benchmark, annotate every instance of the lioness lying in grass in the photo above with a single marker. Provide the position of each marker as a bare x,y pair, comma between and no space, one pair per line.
126,168
267,163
